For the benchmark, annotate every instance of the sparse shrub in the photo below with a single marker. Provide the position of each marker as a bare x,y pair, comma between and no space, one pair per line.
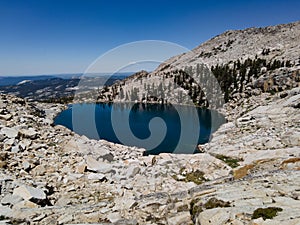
183,208
195,176
232,162
216,203
195,209
266,213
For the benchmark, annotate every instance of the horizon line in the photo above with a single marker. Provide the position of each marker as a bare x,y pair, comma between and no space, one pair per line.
62,74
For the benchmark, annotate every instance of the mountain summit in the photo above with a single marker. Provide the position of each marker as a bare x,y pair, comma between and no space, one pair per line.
227,67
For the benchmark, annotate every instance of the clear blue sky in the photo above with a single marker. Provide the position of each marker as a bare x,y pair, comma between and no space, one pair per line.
65,36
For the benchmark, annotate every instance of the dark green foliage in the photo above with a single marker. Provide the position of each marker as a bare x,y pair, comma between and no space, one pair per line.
121,93
274,65
196,176
195,209
265,51
266,213
272,92
229,43
288,63
183,208
153,219
61,100
216,203
105,89
185,80
232,162
205,54
225,77
134,94
233,78
2,217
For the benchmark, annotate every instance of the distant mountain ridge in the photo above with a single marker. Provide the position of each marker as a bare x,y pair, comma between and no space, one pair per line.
13,80
52,88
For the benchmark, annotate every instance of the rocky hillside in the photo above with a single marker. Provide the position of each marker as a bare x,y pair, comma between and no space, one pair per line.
278,42
243,63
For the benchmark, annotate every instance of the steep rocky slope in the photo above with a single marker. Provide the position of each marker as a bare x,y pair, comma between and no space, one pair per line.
280,42
244,62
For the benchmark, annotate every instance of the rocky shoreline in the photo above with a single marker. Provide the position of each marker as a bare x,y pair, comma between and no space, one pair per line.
50,175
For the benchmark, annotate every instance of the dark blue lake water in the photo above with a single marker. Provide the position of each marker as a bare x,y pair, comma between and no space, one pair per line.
155,127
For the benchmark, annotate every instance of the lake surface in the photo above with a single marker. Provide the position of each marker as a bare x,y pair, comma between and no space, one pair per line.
155,127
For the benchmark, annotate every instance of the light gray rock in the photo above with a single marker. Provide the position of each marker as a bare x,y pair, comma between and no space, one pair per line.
30,193
5,222
217,216
24,144
97,166
10,199
24,204
293,101
107,157
39,170
28,133
132,171
180,218
26,165
97,176
63,201
9,132
114,217
5,211
291,138
15,149
272,144
154,198
65,219
10,141
47,121
5,117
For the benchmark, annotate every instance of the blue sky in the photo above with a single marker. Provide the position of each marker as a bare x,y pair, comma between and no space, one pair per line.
66,36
